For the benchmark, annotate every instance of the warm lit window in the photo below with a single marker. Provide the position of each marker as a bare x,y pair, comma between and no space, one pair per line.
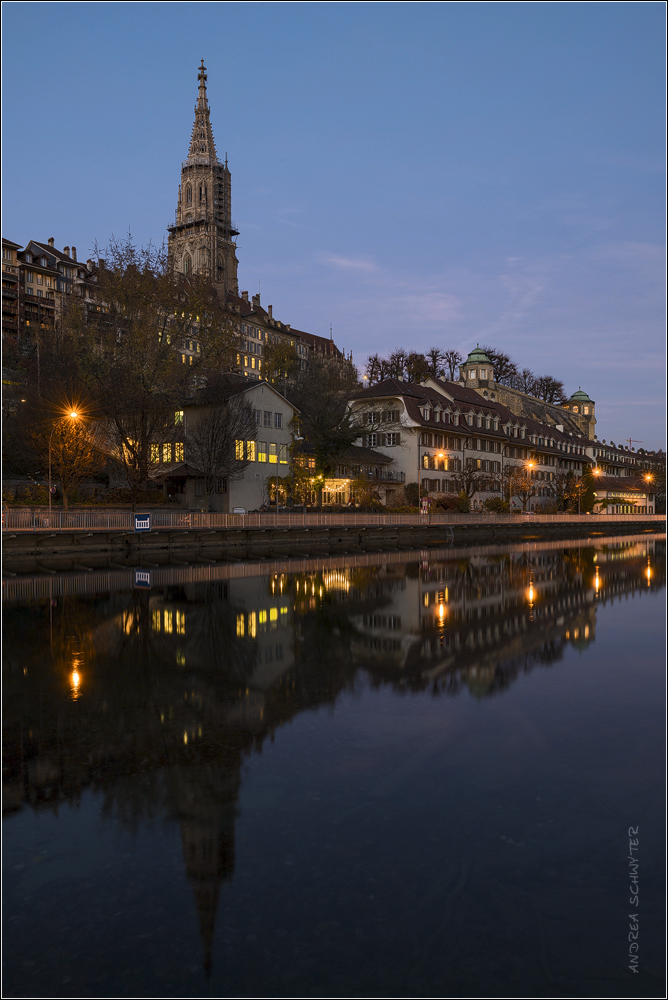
181,622
167,621
155,452
155,621
166,452
239,450
178,417
283,454
252,624
262,451
251,451
178,452
273,454
241,626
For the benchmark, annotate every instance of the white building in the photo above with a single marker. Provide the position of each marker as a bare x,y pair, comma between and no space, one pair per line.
268,454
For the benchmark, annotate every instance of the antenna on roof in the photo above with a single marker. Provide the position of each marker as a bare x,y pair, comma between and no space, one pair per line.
330,332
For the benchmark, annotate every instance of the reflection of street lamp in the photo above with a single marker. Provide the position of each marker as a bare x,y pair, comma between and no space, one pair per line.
72,415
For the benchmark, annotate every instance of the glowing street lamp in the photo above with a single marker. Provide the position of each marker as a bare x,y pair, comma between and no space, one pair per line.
72,415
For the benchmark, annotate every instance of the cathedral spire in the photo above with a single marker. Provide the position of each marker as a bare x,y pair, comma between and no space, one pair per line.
202,144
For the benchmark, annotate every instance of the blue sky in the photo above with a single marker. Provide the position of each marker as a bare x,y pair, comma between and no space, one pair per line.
415,174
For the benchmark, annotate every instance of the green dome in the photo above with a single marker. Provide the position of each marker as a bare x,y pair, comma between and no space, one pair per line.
477,357
580,395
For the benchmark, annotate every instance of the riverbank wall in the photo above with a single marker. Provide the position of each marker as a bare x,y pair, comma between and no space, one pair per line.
35,551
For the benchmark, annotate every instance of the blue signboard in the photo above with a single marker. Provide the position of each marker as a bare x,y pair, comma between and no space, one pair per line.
143,578
142,522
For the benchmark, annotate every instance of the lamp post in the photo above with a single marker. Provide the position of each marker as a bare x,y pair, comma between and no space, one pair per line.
72,415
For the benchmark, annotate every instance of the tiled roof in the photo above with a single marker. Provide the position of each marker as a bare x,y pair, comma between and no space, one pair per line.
628,484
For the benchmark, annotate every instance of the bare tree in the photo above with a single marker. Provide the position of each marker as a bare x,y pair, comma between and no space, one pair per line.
375,369
549,389
505,369
518,482
219,442
396,364
524,381
451,362
470,480
435,359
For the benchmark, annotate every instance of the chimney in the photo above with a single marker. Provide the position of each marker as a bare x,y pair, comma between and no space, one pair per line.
244,296
66,251
269,311
256,300
89,264
50,241
74,253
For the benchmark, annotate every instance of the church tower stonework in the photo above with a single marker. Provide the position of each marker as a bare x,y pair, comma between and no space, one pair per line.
201,240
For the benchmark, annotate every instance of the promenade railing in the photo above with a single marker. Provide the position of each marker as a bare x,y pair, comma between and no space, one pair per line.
14,520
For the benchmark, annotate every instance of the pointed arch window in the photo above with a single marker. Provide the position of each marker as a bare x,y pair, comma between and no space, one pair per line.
187,265
189,195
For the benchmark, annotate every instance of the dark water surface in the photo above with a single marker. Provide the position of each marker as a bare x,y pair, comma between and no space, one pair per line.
398,775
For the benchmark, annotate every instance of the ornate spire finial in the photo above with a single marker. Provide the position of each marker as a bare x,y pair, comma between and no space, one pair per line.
202,143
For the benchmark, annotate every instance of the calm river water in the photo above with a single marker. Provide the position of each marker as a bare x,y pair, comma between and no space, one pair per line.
402,775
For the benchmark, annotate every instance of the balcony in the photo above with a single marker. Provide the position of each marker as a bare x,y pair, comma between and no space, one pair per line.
205,218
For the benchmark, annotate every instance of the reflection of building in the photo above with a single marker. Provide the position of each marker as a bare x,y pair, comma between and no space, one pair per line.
174,687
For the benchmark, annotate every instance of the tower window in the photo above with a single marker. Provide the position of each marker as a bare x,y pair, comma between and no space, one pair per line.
189,195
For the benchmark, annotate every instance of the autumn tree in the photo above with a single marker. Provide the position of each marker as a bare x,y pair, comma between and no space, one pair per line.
158,338
518,482
417,367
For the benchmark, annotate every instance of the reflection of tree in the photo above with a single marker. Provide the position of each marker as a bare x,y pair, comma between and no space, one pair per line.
163,737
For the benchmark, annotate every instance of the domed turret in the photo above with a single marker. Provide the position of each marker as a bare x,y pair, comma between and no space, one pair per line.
477,370
582,407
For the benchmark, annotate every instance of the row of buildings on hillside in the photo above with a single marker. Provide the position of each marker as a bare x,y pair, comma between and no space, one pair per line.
438,434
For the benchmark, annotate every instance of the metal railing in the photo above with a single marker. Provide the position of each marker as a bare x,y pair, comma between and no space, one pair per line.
41,520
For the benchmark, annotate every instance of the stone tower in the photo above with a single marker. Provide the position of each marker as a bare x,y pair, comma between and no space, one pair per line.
201,241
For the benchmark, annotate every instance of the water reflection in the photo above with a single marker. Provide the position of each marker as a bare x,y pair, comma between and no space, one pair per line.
155,697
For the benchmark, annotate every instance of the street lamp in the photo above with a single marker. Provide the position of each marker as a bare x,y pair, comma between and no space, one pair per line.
72,415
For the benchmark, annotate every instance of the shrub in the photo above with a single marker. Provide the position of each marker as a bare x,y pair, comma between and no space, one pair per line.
497,505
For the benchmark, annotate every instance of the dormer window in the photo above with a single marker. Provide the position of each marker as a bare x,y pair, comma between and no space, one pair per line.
575,408
586,409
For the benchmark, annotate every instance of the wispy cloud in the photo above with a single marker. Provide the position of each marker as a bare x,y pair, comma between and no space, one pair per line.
351,263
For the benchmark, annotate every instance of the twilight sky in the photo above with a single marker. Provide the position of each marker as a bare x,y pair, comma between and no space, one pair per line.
415,174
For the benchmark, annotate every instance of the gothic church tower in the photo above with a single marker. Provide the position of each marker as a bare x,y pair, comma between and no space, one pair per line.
201,241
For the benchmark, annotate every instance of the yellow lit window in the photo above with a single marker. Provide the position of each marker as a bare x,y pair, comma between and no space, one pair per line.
183,358
155,452
262,617
239,450
262,451
273,614
155,621
166,452
273,454
252,624
180,622
284,614
250,451
167,621
178,417
178,452
241,626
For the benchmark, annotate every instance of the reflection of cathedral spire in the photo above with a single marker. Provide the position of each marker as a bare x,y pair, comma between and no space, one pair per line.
205,802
